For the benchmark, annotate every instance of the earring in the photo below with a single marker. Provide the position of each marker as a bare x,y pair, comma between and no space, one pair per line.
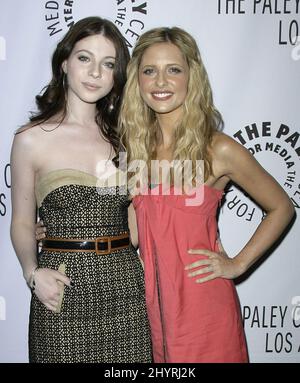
65,81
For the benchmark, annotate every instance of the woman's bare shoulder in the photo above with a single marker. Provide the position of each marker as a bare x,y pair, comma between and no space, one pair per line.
25,128
225,153
224,146
30,135
26,134
36,130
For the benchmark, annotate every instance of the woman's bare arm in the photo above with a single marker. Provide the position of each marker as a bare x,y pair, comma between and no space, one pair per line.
23,203
23,170
235,162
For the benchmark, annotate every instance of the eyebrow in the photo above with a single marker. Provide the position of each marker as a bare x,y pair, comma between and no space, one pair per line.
91,53
167,65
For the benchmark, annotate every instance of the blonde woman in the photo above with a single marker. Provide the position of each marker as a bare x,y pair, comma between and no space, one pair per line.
168,114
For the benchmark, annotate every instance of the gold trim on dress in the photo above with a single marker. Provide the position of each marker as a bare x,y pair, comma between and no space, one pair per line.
61,177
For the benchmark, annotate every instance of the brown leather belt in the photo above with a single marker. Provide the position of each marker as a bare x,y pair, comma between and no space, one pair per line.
100,245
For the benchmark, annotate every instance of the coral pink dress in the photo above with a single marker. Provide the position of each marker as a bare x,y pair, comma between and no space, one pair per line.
190,322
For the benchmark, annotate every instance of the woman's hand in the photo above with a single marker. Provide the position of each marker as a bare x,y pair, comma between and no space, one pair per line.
40,231
216,265
48,286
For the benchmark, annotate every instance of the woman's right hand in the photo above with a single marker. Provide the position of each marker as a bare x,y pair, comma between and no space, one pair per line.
48,286
40,231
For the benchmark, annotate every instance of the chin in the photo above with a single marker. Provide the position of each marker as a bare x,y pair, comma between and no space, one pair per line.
90,100
162,110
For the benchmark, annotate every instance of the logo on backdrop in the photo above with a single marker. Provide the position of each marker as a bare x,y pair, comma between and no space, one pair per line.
285,13
3,193
277,149
128,15
278,326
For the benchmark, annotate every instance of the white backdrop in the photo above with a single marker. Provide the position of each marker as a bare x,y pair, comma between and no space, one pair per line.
252,55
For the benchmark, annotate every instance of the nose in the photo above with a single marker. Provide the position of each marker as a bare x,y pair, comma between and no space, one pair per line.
161,78
95,71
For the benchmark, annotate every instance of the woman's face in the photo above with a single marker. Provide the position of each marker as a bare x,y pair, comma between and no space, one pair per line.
163,78
90,68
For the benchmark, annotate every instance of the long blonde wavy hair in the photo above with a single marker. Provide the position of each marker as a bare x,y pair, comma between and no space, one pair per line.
193,134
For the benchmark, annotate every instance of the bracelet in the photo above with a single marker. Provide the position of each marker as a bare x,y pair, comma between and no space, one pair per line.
31,282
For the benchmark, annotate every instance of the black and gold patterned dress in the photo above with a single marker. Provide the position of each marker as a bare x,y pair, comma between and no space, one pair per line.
103,317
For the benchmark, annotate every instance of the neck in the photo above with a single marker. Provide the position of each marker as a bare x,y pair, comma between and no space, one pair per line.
167,123
80,112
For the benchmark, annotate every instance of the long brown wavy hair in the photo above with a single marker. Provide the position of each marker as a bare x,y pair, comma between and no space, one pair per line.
53,100
138,124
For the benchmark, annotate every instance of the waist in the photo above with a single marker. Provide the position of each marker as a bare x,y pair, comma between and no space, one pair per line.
100,245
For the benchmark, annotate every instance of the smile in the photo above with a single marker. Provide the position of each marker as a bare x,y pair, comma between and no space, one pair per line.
161,96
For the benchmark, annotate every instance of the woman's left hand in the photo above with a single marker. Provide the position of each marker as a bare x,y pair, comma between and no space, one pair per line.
218,265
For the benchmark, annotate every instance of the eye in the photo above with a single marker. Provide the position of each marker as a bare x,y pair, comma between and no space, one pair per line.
83,58
148,71
175,70
110,64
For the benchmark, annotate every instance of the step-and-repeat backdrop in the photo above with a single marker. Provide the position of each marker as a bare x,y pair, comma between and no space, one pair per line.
251,49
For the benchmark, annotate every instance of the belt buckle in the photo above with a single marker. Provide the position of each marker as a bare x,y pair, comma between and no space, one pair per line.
105,240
